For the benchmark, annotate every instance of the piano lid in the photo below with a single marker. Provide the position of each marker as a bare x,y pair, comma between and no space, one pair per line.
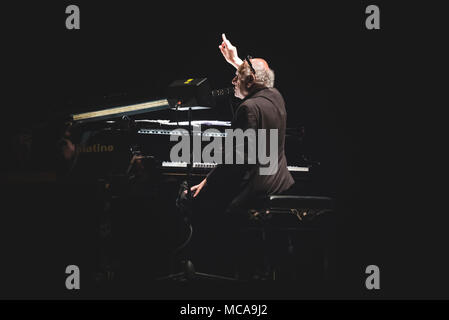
121,111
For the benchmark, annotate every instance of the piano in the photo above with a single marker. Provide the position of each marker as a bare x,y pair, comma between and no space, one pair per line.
123,176
108,139
201,168
122,181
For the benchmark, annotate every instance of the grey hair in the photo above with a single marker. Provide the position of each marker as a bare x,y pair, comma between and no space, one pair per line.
264,77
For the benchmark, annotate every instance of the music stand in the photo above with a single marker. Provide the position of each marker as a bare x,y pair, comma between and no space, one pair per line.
190,93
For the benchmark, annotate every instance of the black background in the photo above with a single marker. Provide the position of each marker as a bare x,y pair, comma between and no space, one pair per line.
368,101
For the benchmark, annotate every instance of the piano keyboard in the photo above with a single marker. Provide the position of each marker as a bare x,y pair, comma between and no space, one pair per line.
181,132
206,165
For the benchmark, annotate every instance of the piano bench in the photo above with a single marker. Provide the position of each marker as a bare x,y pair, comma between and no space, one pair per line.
289,211
286,236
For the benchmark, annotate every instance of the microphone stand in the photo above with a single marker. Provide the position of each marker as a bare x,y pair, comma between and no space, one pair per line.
190,163
189,272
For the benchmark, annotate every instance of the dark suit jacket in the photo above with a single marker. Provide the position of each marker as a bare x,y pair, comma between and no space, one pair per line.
263,109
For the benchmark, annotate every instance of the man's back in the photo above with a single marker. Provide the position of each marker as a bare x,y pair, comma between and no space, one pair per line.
268,106
264,109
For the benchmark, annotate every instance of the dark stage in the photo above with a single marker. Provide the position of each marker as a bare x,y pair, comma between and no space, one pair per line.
362,113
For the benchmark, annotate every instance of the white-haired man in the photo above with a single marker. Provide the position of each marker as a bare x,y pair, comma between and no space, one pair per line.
262,107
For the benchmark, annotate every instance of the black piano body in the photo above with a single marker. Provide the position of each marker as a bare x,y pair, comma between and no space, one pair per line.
122,172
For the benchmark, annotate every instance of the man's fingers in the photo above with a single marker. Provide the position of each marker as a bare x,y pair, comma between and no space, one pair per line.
226,42
197,189
196,192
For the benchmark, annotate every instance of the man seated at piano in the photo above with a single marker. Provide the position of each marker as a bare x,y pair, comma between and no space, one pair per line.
262,107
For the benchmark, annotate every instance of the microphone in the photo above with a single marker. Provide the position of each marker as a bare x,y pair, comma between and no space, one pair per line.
222,92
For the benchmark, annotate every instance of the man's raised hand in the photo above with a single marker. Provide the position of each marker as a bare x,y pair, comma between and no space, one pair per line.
229,52
196,189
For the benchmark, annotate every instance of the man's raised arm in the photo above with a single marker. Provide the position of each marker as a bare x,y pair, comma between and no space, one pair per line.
229,52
